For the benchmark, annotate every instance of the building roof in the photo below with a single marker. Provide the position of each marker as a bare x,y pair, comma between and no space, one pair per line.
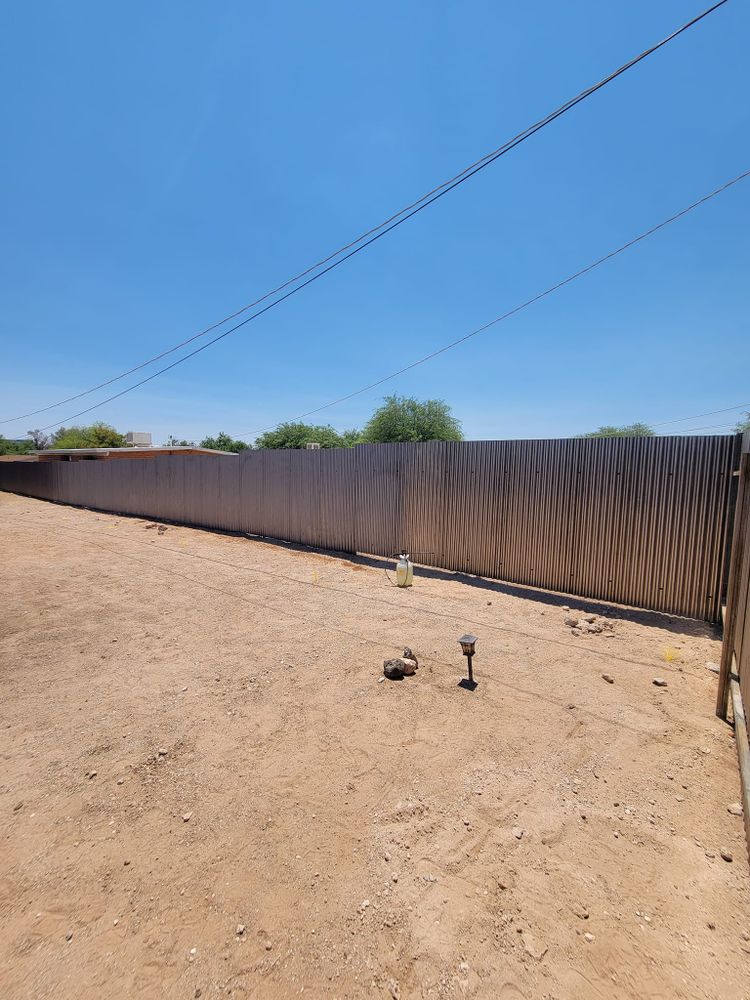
72,454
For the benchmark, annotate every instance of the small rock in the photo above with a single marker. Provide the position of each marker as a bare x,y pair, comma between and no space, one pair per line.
69,936
566,607
408,655
18,806
186,817
659,682
198,992
394,989
394,877
518,832
726,855
463,967
711,925
735,809
588,937
126,862
745,936
120,781
394,668
571,621
268,946
161,752
91,774
589,619
410,667
608,678
193,951
239,930
532,948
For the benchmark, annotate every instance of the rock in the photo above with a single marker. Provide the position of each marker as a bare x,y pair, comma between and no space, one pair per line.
711,925
726,855
608,678
735,809
186,817
713,667
394,989
239,930
410,667
69,936
120,781
659,682
161,752
588,937
590,619
268,946
394,668
394,877
566,607
408,655
518,832
594,629
17,807
572,621
198,992
532,947
91,774
463,967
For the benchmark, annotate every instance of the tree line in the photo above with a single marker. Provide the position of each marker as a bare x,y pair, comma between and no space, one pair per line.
398,419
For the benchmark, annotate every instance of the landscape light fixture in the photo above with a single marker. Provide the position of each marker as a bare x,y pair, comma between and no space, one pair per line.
468,643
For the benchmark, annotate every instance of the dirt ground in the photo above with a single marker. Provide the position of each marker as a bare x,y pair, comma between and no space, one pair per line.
207,789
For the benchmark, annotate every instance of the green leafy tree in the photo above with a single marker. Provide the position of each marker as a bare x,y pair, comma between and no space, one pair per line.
223,442
297,435
743,425
629,430
8,447
98,435
403,418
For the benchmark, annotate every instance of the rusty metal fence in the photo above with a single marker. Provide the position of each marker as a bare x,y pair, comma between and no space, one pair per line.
639,521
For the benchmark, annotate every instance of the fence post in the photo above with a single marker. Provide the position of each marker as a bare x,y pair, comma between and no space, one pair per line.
739,534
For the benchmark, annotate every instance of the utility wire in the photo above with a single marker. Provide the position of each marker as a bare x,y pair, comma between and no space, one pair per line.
524,305
368,237
696,416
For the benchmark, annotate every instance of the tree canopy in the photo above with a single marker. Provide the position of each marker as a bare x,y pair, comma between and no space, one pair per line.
297,435
97,435
8,447
628,430
743,425
404,418
223,442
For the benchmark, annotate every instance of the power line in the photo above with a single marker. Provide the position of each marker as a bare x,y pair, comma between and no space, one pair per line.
519,308
368,237
696,416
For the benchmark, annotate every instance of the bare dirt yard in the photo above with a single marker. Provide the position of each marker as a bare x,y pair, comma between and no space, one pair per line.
207,789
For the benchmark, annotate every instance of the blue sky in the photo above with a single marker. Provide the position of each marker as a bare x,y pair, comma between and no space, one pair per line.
166,163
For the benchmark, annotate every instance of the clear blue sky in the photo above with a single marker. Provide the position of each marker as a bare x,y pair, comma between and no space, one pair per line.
163,164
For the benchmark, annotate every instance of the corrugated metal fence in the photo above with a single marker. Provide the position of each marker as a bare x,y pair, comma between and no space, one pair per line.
639,521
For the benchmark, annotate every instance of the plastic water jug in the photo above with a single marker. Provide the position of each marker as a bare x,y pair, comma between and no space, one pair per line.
404,571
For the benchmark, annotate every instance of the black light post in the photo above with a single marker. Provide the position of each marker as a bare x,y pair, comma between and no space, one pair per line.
467,646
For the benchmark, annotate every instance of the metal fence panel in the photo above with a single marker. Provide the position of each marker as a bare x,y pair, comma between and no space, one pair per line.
638,521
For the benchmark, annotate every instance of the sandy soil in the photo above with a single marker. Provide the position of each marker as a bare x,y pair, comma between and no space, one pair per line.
196,739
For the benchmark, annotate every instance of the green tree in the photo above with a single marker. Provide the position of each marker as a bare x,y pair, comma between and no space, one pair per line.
403,418
98,435
743,425
173,442
297,435
223,442
629,430
8,447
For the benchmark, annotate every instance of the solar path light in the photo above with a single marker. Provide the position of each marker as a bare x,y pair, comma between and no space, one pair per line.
468,642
